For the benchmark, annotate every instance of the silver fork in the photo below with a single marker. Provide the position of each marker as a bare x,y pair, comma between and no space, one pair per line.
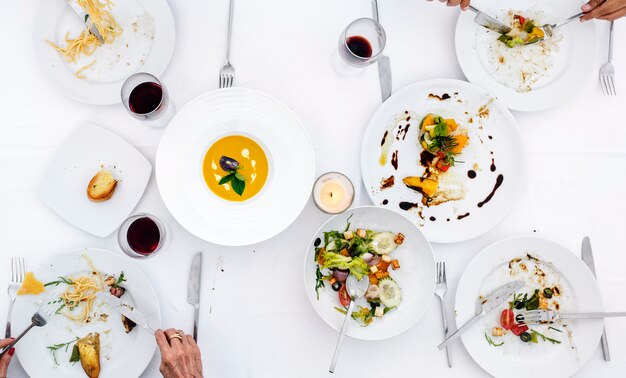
18,271
39,319
440,290
227,73
549,316
607,72
548,29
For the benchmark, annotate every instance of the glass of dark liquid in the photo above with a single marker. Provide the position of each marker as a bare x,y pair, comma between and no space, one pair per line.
362,42
146,98
141,236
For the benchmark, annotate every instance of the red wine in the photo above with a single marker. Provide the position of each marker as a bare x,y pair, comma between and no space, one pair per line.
359,46
145,98
143,236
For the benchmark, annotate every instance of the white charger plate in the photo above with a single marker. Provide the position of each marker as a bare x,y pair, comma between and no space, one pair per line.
103,83
515,358
572,65
90,148
495,137
121,354
235,111
416,276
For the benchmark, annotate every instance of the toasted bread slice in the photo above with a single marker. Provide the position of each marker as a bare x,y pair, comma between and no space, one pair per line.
101,186
89,350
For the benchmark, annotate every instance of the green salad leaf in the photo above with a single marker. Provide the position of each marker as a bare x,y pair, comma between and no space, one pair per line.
75,357
355,265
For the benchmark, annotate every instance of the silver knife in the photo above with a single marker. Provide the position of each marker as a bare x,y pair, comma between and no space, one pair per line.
489,22
193,290
126,309
84,17
492,301
587,257
384,65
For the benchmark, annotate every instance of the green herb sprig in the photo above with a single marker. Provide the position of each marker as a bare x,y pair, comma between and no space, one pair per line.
491,342
319,281
120,280
348,224
55,347
545,338
444,144
59,281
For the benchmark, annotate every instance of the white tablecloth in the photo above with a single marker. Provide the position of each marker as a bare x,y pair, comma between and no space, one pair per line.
255,318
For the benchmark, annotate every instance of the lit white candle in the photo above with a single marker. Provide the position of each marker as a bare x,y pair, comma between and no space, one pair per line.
333,193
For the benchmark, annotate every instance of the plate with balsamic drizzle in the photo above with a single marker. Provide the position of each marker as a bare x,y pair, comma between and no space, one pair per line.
447,155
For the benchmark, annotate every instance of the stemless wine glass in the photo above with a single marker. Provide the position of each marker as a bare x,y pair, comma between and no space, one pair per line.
146,98
141,236
362,42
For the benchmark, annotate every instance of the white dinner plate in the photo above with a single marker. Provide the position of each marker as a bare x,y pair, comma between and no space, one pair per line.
146,45
235,111
515,358
493,134
121,354
561,70
416,276
86,151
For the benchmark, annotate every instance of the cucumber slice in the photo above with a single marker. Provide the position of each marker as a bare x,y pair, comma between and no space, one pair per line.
390,294
382,243
425,141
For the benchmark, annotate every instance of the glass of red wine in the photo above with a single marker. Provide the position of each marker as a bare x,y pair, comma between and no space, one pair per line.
362,42
141,236
145,97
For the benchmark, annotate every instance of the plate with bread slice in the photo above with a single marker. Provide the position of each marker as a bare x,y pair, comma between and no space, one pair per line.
95,180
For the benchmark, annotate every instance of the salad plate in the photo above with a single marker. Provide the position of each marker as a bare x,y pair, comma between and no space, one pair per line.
445,154
235,166
122,354
534,77
145,44
555,279
406,283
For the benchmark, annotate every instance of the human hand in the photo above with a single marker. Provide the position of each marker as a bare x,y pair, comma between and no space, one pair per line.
180,355
609,10
6,359
453,3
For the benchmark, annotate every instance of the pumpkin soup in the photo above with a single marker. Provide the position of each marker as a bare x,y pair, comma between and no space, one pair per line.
235,168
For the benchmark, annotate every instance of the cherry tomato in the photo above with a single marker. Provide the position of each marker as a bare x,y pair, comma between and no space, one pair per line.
518,329
442,166
522,20
344,298
507,319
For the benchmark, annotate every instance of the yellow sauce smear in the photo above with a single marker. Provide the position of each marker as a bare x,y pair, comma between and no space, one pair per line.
251,158
31,285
